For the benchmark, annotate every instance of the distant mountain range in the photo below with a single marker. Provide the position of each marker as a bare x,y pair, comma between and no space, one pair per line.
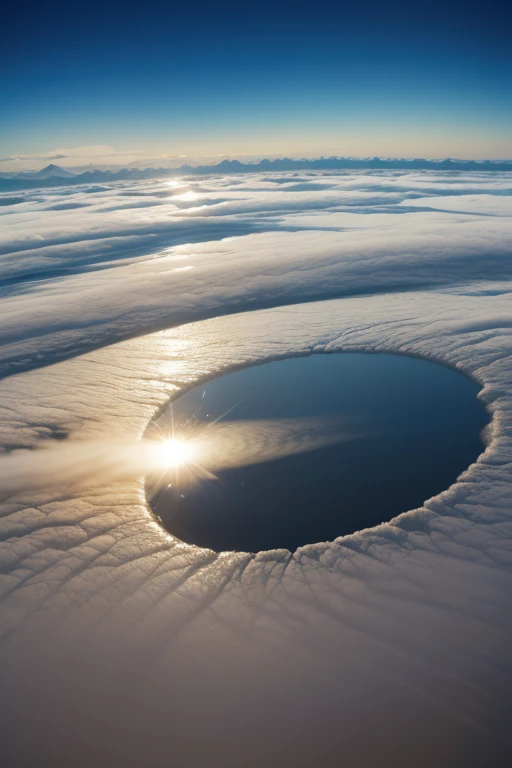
53,175
50,172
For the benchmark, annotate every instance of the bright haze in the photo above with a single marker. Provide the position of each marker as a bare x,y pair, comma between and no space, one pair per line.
117,83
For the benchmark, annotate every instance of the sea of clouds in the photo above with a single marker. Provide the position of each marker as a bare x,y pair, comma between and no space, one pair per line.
123,646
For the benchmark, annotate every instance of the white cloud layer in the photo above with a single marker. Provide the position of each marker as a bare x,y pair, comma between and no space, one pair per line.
388,647
132,258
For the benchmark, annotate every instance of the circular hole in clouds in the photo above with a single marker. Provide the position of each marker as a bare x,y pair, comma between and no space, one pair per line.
307,449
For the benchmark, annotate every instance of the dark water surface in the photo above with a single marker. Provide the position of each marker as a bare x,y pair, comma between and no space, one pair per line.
414,425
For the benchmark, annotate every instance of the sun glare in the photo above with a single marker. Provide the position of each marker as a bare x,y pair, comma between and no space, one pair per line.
187,196
175,453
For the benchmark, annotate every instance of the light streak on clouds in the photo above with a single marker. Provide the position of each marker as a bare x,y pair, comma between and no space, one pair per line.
207,448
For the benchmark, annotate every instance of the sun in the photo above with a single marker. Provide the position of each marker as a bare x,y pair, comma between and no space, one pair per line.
174,453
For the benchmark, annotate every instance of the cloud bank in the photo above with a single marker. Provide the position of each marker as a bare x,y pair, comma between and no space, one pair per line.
84,268
119,643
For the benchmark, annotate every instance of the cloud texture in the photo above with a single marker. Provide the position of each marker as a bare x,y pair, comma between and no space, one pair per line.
82,268
388,647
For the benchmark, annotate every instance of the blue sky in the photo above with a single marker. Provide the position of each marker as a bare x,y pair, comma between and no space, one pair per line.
165,79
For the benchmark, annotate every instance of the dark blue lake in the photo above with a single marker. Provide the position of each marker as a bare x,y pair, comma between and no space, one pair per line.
415,426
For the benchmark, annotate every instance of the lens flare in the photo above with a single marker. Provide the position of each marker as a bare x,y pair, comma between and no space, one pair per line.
174,453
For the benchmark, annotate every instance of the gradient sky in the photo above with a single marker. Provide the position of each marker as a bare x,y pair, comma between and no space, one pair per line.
152,79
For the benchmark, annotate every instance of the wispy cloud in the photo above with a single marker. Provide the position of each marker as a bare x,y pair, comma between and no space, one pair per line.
48,156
